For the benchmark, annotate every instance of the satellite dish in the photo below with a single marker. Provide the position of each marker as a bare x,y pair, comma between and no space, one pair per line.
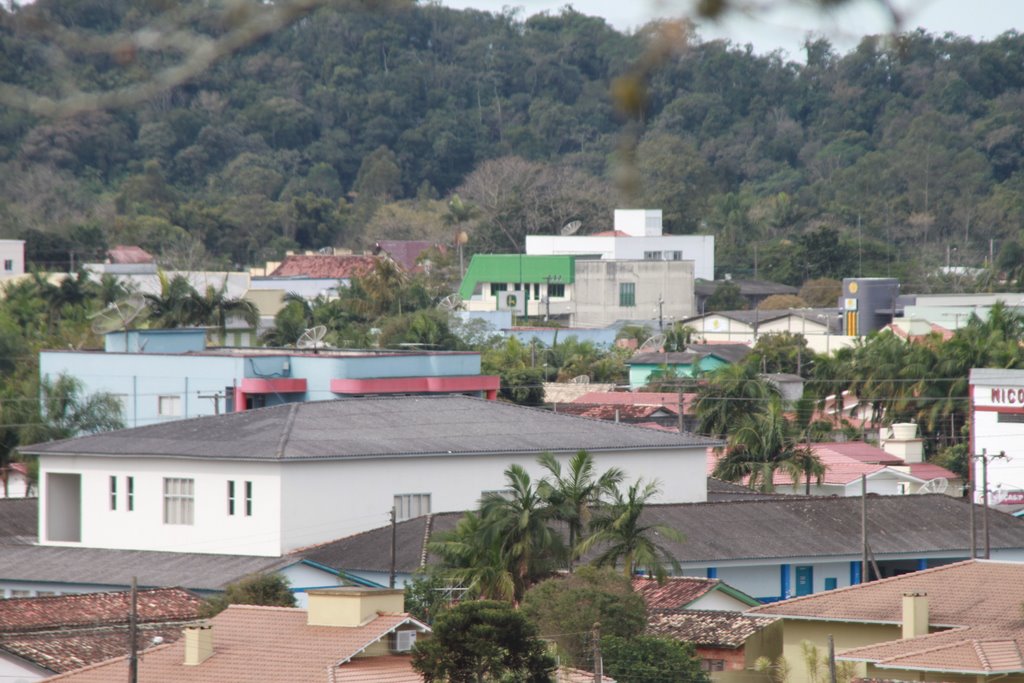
580,379
571,228
312,338
938,485
452,302
118,315
654,344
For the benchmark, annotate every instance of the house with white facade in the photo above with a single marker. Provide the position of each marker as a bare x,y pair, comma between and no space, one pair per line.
821,327
12,258
638,235
266,482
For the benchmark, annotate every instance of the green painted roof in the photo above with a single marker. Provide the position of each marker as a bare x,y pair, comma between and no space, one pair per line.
516,268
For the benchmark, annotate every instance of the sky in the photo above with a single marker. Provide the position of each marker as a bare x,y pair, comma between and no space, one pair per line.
787,28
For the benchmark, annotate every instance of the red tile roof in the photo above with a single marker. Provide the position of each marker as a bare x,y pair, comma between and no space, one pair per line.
123,253
406,252
324,266
250,642
978,601
675,593
708,628
20,615
67,632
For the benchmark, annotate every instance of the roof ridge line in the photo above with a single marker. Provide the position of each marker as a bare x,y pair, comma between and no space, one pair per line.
427,529
286,433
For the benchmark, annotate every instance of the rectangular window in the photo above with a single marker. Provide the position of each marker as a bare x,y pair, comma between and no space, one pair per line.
168,406
676,255
21,594
113,493
556,291
130,481
1012,418
627,294
712,665
231,497
499,287
248,499
8,265
652,256
409,505
179,501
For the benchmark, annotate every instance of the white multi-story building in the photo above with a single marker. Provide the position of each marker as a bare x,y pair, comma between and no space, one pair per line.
268,481
997,433
12,258
637,236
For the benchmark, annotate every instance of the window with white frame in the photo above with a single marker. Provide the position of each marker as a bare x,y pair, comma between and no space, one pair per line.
248,499
8,264
168,406
130,492
652,256
231,497
179,501
676,255
113,493
409,505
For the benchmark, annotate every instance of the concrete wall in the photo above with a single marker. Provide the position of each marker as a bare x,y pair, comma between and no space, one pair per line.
143,528
597,291
847,636
700,249
328,500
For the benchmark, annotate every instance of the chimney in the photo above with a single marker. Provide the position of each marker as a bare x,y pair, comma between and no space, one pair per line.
352,606
915,615
902,442
198,644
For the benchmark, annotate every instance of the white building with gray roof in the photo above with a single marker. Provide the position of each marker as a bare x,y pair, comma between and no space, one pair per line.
268,481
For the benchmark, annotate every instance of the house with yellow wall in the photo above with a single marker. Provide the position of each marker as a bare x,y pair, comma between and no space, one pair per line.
957,623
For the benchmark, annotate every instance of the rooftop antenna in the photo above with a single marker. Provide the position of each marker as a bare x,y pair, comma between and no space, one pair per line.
312,338
119,315
571,228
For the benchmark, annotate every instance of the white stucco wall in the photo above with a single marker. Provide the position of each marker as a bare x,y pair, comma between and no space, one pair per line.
16,670
301,503
718,601
328,500
994,392
697,248
213,531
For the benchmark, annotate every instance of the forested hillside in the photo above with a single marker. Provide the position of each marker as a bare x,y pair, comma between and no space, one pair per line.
351,125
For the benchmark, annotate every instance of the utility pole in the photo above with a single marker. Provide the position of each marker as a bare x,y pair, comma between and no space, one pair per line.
864,528
661,309
394,538
831,659
133,635
215,397
984,458
598,663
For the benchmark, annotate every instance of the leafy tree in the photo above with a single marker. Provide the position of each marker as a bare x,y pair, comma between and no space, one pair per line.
427,596
821,292
570,606
483,640
572,494
620,535
781,352
258,589
727,297
64,412
472,560
777,302
642,659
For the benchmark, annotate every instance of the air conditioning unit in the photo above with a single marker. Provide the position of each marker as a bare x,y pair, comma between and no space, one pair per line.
404,640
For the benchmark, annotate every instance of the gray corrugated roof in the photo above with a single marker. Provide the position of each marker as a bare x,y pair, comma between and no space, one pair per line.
115,568
769,528
19,520
370,427
733,353
746,287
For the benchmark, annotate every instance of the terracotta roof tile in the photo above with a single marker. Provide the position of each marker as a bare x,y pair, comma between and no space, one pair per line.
623,411
636,398
675,593
324,266
124,254
406,252
66,632
707,628
274,643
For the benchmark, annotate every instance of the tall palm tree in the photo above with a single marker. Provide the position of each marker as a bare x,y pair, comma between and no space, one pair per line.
473,562
571,495
173,305
620,534
763,444
518,524
729,394
214,307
